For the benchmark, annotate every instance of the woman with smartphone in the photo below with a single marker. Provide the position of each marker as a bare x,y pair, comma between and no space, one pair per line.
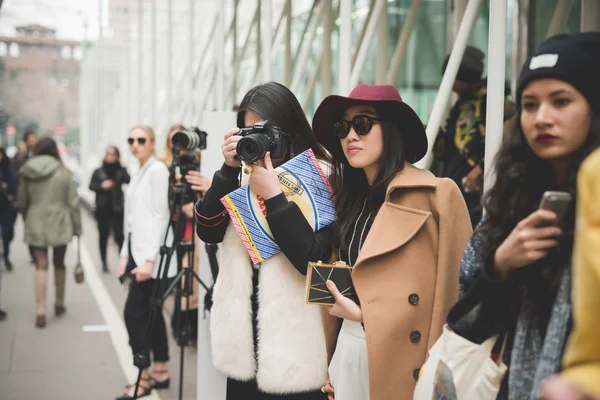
519,262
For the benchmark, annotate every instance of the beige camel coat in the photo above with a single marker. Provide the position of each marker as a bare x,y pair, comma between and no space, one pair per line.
406,278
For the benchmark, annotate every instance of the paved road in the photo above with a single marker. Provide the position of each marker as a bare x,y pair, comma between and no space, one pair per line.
84,354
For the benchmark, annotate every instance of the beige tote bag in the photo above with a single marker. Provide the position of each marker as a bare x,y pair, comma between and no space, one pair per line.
460,369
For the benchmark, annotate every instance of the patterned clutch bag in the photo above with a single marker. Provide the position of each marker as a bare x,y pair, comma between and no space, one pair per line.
318,273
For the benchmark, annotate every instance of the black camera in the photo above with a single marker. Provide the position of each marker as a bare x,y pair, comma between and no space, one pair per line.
191,139
262,137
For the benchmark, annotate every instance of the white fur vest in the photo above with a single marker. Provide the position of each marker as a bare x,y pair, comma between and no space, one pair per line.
291,355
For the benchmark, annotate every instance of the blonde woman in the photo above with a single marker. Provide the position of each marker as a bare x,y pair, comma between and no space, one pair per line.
146,221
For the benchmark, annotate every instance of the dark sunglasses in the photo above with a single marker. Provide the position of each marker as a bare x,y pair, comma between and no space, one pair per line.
140,140
362,125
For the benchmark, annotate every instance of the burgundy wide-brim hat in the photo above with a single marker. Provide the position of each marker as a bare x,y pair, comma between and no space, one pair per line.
332,107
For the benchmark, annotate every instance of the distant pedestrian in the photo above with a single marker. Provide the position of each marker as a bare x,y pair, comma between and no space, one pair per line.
8,212
20,157
47,198
26,151
107,182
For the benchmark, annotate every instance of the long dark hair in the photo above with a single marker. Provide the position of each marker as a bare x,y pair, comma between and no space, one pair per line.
277,103
350,186
5,162
523,180
46,146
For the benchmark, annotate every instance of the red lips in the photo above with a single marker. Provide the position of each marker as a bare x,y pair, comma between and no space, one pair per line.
545,138
353,149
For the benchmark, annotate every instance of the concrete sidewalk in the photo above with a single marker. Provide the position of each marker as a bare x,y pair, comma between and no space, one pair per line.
76,356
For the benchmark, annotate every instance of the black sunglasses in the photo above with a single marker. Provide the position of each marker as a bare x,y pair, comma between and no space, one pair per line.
140,140
362,125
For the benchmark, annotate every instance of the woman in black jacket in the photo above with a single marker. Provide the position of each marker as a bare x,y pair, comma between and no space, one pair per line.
107,182
265,339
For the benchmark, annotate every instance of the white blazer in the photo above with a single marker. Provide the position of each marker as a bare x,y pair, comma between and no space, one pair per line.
147,216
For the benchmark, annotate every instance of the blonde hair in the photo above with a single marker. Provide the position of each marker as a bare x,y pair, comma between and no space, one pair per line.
167,157
148,130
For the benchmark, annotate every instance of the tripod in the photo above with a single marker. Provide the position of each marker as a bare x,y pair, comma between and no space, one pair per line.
182,284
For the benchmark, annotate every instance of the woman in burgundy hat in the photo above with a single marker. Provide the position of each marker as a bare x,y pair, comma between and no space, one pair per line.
402,229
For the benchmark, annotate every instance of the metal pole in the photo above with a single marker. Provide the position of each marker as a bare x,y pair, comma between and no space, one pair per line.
381,60
519,41
287,60
400,50
235,60
445,91
345,46
99,75
364,46
326,54
169,80
590,15
140,64
153,67
495,87
191,44
267,36
219,51
258,39
557,24
299,67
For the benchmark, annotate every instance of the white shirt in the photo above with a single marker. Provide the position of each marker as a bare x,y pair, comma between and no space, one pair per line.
147,216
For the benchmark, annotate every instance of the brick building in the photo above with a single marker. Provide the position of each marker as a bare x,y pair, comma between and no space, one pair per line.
39,79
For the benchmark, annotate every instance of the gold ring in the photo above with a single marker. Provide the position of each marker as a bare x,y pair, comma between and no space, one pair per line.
323,389
247,169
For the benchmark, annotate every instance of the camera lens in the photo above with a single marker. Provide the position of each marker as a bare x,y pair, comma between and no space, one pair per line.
253,147
185,140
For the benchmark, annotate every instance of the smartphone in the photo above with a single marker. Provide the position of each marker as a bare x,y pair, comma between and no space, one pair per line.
557,202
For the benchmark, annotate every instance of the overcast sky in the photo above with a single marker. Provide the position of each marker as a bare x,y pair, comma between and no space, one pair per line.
66,16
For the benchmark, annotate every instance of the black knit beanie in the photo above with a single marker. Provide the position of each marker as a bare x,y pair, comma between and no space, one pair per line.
574,59
471,66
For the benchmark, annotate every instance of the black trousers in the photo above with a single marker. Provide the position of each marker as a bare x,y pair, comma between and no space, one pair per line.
137,319
108,220
237,390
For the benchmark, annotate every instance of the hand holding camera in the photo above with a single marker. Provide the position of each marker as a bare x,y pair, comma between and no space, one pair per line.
229,148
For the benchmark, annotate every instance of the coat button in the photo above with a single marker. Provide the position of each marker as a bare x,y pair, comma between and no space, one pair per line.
415,336
413,299
416,373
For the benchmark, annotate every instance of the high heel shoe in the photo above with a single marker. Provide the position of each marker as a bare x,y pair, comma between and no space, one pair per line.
143,390
156,384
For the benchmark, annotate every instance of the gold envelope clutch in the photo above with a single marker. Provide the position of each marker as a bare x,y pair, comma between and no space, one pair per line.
318,273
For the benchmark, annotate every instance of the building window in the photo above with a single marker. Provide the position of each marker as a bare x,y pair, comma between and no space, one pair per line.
3,49
77,53
13,50
66,52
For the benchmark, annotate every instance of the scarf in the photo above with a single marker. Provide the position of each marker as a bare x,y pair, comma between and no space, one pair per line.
533,358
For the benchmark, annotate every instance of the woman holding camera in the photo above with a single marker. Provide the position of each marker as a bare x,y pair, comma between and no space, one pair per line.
146,221
519,272
107,181
267,341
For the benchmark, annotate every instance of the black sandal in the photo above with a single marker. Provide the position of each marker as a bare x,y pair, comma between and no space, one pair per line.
146,390
156,384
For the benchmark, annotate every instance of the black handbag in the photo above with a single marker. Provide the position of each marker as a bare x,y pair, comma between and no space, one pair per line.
319,273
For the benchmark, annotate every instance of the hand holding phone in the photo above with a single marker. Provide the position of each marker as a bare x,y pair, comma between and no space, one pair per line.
557,202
